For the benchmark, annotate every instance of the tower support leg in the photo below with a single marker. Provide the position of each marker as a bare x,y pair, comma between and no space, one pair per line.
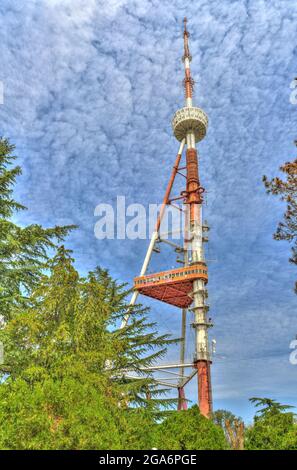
157,228
182,404
204,387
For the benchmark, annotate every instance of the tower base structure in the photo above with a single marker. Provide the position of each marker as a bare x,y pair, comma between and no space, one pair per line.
204,387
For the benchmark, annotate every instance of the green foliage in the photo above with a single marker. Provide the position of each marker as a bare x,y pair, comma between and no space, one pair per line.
68,414
220,417
271,407
141,424
273,429
51,414
66,354
189,430
23,250
68,381
270,432
289,441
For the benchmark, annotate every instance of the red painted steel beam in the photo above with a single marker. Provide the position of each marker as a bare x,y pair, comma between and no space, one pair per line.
204,387
168,191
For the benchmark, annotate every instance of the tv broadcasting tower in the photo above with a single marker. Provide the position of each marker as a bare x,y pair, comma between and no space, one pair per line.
184,287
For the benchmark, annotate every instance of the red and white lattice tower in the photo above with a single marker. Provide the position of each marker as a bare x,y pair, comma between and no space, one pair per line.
184,287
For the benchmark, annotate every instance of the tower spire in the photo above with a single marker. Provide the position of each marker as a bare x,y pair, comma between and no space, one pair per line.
188,80
186,41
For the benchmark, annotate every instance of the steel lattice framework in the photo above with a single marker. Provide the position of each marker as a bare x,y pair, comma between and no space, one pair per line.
184,287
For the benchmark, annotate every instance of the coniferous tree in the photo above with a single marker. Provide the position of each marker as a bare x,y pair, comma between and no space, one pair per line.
273,428
189,430
75,368
23,250
287,190
270,407
69,373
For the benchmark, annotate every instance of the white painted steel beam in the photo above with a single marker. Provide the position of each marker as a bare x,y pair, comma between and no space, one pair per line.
149,252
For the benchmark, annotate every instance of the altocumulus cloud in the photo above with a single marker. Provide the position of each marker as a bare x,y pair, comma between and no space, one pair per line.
90,89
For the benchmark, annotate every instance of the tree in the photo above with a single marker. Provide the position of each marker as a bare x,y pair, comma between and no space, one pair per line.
289,441
140,426
23,250
232,426
75,368
271,407
58,414
189,430
287,190
273,428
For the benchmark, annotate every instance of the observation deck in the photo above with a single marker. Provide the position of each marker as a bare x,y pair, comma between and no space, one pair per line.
190,119
173,287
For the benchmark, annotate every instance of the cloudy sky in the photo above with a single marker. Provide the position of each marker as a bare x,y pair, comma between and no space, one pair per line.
90,88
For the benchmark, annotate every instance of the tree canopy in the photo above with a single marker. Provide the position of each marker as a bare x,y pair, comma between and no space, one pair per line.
273,428
23,250
286,189
71,378
189,430
67,356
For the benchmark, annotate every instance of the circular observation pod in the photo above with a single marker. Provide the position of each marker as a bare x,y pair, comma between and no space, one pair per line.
190,119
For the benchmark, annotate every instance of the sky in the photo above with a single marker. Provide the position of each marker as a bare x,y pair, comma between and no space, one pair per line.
90,88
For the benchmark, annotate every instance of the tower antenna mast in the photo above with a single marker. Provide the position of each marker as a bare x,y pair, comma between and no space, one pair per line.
185,287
